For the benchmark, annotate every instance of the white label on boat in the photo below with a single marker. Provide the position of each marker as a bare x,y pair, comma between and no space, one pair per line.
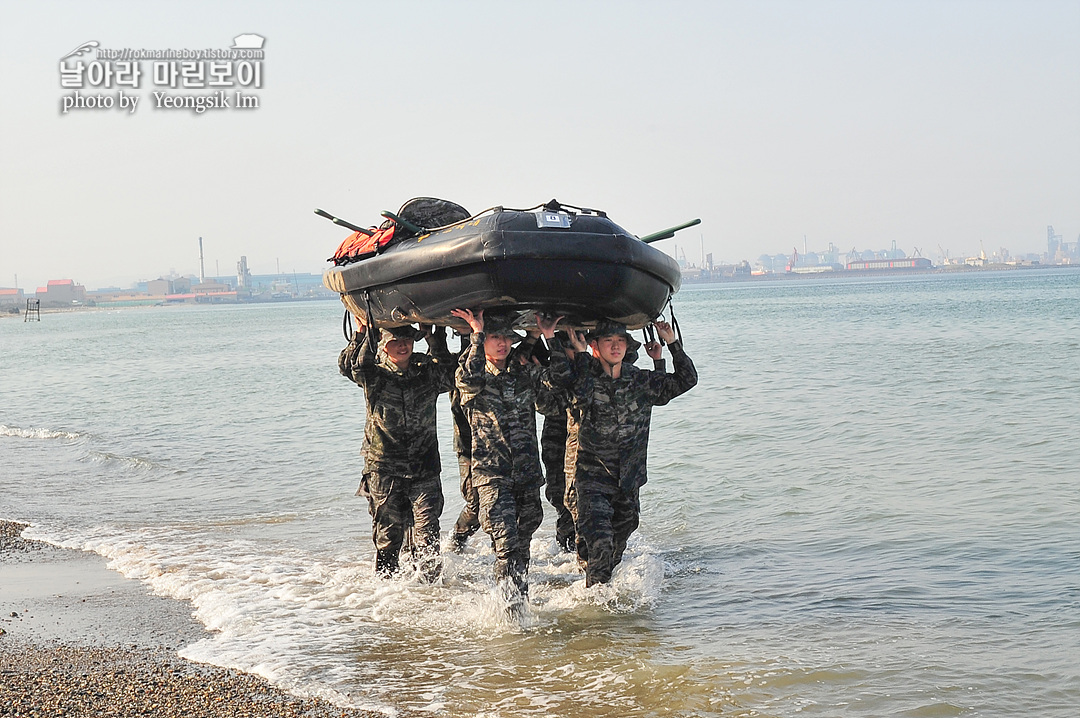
552,219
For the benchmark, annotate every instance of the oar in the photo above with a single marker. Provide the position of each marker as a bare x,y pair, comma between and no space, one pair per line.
667,233
404,222
343,223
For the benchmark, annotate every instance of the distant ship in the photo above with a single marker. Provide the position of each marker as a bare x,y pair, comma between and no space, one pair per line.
906,263
796,267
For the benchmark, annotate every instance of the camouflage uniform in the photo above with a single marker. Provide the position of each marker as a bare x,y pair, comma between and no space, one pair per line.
553,439
505,459
607,451
468,521
401,449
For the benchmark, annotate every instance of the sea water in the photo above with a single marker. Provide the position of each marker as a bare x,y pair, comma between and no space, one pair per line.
868,506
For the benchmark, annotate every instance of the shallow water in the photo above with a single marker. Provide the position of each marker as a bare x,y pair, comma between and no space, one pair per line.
866,507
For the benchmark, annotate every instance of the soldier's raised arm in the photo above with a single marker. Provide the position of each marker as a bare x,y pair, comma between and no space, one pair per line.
656,353
469,378
551,398
444,363
357,360
665,387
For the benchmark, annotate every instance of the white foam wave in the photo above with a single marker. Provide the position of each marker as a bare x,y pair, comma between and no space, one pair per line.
636,583
132,462
323,625
39,433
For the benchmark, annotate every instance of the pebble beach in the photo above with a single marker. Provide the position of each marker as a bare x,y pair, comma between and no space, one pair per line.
77,639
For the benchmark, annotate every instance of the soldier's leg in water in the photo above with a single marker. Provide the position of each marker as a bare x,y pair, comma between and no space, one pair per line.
530,514
553,454
626,517
555,491
408,543
571,504
427,504
498,518
468,521
594,514
391,514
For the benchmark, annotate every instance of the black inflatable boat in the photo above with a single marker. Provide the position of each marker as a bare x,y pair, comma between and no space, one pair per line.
552,258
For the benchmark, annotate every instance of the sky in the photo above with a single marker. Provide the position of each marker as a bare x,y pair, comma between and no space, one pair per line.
946,125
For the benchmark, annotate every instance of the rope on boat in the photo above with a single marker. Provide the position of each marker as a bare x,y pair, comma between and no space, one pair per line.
346,321
674,321
553,206
369,320
346,326
674,324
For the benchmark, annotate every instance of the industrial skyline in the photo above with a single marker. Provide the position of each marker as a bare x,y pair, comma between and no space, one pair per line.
278,283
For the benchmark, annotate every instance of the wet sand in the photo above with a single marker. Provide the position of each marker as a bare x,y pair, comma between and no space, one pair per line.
77,639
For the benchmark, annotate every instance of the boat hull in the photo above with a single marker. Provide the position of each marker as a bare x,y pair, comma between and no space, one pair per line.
590,270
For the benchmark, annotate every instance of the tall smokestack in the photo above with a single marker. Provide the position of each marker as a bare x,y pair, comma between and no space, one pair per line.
202,270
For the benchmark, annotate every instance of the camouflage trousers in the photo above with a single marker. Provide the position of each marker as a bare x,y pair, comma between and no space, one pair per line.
553,454
604,518
401,506
468,521
510,515
555,491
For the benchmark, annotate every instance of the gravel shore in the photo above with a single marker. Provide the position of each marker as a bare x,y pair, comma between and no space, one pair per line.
79,640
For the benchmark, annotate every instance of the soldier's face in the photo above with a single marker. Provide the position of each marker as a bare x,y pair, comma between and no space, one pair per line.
399,350
611,349
497,348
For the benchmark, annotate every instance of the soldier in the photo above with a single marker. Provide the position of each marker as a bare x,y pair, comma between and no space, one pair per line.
553,449
499,398
468,520
553,439
610,410
401,450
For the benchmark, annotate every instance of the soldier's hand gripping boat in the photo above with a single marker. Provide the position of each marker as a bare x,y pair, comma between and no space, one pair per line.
432,256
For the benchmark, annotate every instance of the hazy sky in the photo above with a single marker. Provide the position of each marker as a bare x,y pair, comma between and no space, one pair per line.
858,123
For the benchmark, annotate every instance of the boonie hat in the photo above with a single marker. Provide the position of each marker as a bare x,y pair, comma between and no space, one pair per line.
608,328
500,326
408,331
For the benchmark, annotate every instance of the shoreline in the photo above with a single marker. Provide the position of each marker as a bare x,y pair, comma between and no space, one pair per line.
939,270
77,638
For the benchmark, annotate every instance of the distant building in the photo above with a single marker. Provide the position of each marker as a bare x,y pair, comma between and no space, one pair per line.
207,287
116,297
773,262
11,298
243,274
1053,245
159,287
732,271
61,293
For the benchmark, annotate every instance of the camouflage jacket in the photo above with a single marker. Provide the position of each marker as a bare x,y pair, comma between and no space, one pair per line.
609,418
462,432
555,408
399,428
501,409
